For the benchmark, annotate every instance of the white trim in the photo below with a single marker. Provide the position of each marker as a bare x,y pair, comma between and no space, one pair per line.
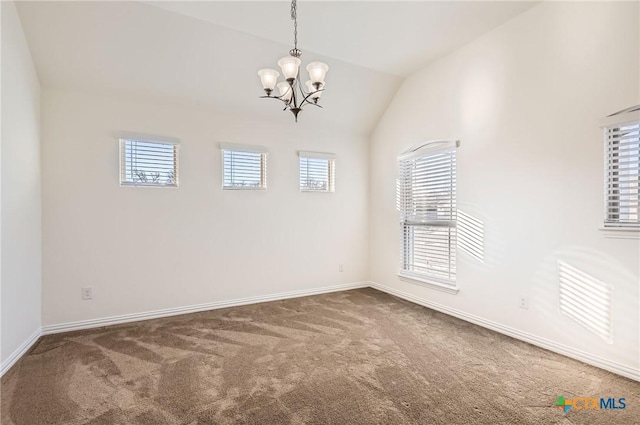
161,186
19,352
316,155
140,137
620,118
547,344
427,281
155,314
243,148
254,188
620,232
429,147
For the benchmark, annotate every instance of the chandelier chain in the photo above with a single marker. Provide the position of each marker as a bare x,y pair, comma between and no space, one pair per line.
294,17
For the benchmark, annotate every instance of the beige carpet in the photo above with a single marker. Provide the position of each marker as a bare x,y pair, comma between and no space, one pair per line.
347,358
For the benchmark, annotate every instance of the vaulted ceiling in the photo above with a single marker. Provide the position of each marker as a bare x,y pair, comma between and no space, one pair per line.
393,37
207,53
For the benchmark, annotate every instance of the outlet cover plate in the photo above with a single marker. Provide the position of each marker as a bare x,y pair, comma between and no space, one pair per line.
87,293
524,302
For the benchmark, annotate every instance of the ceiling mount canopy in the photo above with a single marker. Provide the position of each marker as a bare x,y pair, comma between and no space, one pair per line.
291,91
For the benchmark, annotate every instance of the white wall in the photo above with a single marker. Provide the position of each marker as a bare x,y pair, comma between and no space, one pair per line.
144,249
21,241
525,100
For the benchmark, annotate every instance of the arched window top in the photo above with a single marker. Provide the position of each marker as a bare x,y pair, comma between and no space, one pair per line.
429,147
623,117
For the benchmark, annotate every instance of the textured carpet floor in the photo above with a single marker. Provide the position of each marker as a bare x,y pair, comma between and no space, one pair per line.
347,358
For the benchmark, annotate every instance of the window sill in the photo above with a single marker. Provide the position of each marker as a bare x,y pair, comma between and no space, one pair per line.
429,283
258,189
620,233
163,186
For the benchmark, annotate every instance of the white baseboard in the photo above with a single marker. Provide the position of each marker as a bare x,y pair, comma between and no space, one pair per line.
19,352
556,347
155,314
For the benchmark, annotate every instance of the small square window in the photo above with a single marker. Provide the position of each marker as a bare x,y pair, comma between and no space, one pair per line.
244,168
148,163
317,172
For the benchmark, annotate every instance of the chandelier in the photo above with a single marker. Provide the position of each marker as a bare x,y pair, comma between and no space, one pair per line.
291,91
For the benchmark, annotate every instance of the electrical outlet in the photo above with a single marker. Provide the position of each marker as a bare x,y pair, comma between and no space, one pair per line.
524,302
87,293
340,267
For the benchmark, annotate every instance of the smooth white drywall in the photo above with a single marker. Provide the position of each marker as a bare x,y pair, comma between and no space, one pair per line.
525,100
144,249
21,241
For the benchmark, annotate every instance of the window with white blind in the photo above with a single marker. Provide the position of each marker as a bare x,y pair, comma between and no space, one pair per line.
622,178
148,163
244,167
427,204
317,172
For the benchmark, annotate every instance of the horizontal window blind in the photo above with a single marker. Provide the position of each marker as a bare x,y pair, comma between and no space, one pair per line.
147,163
622,201
427,202
430,250
427,188
317,174
244,169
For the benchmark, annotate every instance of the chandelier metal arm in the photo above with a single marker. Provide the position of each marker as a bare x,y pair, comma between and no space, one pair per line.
306,99
286,103
294,99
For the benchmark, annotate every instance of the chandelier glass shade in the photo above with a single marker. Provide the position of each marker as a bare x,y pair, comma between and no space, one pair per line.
291,91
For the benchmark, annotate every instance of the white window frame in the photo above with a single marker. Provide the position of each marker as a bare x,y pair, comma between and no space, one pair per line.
261,150
331,170
410,219
124,138
610,126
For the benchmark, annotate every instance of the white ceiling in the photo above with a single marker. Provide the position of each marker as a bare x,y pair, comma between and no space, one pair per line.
394,37
133,48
